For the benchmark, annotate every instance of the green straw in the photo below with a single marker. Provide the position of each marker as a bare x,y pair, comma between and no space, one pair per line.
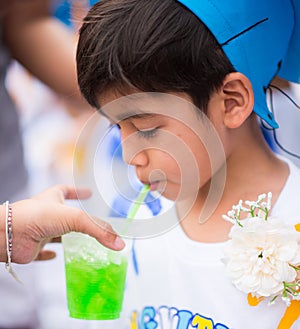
138,201
136,205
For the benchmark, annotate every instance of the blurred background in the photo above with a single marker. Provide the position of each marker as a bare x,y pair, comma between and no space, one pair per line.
50,133
50,129
58,138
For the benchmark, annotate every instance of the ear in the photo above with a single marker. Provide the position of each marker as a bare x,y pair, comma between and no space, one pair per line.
238,99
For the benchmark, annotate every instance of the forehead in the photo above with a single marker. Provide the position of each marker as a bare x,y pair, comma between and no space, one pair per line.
140,105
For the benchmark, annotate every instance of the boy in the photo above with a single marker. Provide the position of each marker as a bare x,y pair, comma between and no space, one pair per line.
178,62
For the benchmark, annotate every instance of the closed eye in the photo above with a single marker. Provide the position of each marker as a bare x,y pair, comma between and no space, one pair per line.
147,133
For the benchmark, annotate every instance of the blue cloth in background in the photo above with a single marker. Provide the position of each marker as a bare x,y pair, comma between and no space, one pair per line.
92,2
121,205
62,11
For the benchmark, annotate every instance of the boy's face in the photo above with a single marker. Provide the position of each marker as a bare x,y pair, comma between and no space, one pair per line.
173,147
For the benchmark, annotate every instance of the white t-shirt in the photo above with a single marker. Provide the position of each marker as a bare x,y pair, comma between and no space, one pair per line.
181,284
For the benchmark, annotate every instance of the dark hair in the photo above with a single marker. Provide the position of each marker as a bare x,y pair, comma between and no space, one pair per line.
150,45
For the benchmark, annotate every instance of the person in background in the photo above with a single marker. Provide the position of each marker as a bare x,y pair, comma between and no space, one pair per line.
45,47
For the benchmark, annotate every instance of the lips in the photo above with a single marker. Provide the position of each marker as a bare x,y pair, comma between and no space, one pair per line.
154,186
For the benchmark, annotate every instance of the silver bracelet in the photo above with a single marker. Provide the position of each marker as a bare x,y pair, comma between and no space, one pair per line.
9,240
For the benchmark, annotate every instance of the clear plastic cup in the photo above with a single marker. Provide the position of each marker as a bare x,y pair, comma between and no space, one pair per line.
95,277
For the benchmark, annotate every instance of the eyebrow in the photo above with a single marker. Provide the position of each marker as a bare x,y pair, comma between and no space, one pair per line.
135,115
127,115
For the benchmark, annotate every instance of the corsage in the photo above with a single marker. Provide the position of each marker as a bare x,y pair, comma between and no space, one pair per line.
262,257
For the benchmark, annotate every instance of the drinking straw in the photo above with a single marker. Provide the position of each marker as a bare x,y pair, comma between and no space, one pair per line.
131,215
137,203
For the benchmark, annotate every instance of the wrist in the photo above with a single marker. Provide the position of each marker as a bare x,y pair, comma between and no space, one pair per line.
9,240
3,253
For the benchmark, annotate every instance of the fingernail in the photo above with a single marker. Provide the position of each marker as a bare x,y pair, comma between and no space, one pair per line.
119,243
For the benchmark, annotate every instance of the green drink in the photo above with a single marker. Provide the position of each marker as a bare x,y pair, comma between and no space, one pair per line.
95,278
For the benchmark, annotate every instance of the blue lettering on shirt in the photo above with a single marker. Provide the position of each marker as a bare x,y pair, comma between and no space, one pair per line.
171,318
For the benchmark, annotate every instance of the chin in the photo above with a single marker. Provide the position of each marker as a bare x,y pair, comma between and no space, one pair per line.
170,195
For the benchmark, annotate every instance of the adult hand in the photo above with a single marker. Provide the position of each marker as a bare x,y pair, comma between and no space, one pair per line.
36,221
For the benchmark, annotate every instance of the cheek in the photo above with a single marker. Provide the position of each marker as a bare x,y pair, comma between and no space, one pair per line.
180,169
195,167
186,162
166,163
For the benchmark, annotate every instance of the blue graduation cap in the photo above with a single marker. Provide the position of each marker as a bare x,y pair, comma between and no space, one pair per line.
261,38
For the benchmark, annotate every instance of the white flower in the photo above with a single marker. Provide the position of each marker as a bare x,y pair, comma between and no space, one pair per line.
261,254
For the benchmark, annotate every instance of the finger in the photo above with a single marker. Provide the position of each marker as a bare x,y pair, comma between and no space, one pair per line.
62,192
45,255
78,193
70,192
100,230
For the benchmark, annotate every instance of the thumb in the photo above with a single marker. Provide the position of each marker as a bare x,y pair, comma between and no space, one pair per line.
99,229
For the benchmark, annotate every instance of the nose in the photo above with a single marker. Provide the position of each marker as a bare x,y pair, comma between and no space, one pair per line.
134,155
